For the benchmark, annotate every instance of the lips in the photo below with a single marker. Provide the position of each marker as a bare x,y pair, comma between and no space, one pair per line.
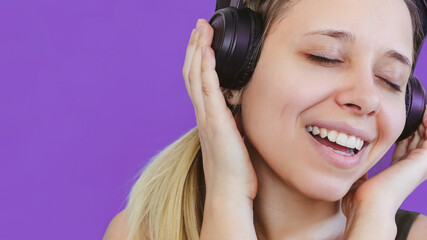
337,148
339,138
332,156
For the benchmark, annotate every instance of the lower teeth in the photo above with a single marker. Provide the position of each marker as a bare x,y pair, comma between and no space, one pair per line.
343,153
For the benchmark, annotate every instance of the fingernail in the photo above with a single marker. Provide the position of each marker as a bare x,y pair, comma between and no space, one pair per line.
192,34
198,23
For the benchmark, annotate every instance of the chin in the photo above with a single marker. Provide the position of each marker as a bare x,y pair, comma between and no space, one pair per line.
329,191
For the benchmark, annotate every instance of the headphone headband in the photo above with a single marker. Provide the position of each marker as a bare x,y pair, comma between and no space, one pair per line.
422,6
220,4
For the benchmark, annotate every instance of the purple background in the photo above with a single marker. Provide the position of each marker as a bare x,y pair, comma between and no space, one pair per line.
89,91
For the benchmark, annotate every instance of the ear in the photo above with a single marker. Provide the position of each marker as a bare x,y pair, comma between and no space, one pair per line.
233,96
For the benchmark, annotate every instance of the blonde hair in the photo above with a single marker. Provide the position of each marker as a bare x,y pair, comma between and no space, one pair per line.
167,200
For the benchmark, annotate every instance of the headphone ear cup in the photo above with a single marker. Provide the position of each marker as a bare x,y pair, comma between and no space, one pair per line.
250,61
415,101
236,36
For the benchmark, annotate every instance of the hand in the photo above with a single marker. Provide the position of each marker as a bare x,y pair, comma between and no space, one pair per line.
226,162
383,194
231,183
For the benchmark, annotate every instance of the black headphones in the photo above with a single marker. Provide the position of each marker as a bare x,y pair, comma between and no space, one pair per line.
237,32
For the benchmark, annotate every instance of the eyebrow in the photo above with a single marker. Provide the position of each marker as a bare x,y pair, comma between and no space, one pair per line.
349,37
399,57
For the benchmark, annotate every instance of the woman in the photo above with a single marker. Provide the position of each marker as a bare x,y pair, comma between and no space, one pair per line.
323,71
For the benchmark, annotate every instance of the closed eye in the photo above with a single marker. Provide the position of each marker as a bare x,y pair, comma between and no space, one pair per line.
323,59
320,59
392,85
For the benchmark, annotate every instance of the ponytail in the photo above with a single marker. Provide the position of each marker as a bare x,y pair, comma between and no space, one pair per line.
167,200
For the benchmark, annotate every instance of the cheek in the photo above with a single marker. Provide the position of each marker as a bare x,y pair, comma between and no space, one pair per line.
268,111
392,121
273,103
271,110
275,99
390,124
282,88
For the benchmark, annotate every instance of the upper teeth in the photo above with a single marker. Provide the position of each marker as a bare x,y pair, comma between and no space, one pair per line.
337,137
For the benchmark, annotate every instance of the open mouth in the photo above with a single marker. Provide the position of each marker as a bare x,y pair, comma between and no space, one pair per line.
341,143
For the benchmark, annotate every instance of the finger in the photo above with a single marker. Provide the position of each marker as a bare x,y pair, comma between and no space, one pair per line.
422,128
424,122
194,75
421,132
403,147
188,58
413,143
215,105
399,180
400,150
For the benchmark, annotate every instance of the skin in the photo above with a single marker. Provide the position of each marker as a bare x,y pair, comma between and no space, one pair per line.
273,181
274,185
293,178
299,91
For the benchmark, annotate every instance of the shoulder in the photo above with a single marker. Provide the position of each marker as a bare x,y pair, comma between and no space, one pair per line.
419,228
117,229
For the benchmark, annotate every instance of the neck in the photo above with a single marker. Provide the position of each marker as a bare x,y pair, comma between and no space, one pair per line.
283,212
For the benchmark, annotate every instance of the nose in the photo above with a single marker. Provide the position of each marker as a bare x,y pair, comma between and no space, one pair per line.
359,94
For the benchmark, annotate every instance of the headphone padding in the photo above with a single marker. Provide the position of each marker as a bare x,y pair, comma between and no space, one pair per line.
249,63
236,36
415,106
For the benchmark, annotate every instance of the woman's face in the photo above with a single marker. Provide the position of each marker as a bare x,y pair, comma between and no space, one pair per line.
368,42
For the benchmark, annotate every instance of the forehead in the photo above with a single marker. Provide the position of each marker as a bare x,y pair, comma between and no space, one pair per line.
376,23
